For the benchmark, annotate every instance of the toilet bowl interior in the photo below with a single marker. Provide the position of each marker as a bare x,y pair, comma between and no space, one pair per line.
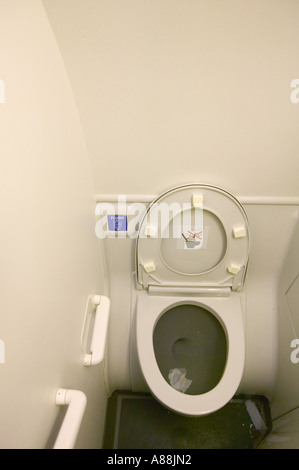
190,348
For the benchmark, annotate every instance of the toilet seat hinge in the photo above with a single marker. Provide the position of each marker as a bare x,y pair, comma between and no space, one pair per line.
190,290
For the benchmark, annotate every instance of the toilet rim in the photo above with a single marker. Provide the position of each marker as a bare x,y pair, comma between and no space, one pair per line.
216,398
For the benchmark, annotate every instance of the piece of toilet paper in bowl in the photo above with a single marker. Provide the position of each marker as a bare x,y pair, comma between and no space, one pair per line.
178,380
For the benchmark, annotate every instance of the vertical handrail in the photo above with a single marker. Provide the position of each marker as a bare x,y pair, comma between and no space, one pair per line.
76,401
100,331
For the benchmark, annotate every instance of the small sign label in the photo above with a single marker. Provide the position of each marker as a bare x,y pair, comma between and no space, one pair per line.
195,238
117,223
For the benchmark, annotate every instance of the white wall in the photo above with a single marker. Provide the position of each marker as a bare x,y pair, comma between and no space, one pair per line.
172,92
285,402
168,92
286,396
48,251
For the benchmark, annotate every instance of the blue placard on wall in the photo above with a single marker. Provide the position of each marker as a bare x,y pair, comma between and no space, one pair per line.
117,223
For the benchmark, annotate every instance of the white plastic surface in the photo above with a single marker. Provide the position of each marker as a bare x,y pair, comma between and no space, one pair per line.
197,200
150,231
149,267
76,401
100,331
239,232
201,231
228,311
234,269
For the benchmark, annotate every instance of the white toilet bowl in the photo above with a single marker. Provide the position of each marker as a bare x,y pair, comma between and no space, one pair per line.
196,260
228,313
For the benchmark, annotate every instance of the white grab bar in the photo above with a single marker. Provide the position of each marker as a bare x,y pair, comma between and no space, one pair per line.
76,401
100,330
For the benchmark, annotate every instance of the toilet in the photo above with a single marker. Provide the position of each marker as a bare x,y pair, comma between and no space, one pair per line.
192,254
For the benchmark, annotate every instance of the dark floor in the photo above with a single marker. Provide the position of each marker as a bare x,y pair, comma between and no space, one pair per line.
138,421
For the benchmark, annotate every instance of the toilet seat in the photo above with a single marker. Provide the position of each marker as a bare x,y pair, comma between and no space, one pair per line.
228,311
192,248
194,235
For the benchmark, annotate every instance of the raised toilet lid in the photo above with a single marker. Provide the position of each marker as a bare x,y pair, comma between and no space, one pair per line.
194,236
